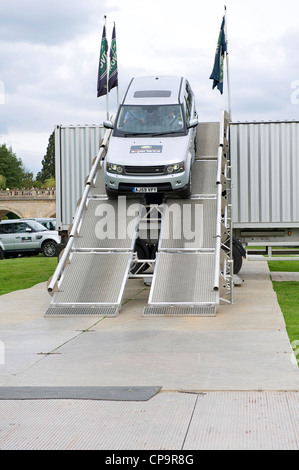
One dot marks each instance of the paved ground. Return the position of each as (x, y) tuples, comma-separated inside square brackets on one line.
[(226, 382)]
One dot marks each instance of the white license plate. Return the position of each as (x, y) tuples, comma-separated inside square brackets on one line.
[(145, 190)]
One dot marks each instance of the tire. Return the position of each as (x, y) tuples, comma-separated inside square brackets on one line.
[(1, 254), (238, 259), (111, 194), (143, 253), (187, 191), (49, 249)]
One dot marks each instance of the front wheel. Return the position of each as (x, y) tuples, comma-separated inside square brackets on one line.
[(49, 249), (111, 194), (142, 253), (187, 191)]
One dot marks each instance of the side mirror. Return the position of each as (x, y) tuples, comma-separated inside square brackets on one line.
[(193, 123), (108, 125)]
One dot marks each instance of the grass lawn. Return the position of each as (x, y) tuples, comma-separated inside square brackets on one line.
[(288, 297), (284, 266), (24, 272)]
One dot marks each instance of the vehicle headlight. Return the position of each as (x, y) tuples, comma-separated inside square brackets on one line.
[(175, 168), (114, 168)]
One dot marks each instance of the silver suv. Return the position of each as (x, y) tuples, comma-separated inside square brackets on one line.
[(153, 143), (26, 236)]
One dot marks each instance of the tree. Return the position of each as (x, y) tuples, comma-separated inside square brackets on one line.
[(50, 183), (48, 162), (2, 182), (28, 179), (11, 167)]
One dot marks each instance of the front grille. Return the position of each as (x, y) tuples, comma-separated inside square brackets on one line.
[(145, 170)]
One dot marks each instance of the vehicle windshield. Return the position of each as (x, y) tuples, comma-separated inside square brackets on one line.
[(152, 120), (36, 226)]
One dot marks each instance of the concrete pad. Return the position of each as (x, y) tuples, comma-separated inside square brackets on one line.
[(227, 382), (169, 421), (245, 347), (285, 277)]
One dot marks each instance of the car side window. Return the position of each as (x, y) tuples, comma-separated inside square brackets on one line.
[(21, 227), (187, 110), (6, 228)]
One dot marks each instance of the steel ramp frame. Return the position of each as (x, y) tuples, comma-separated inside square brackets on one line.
[(174, 292), (85, 287), (94, 279)]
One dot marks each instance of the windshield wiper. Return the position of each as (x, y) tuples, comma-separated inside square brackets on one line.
[(158, 134), (137, 134), (152, 134)]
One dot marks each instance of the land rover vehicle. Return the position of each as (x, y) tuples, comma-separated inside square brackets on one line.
[(26, 236), (153, 143), (49, 223)]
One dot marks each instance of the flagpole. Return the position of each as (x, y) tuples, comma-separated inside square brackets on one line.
[(227, 65), (117, 94), (113, 71), (107, 94)]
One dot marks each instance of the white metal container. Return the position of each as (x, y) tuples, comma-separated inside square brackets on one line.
[(75, 149), (265, 174)]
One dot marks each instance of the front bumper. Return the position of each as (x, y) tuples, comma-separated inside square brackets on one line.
[(123, 184)]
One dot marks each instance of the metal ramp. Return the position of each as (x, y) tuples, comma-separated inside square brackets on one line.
[(96, 271), (93, 270), (192, 271)]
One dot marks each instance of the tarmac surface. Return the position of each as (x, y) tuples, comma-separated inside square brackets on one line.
[(229, 382)]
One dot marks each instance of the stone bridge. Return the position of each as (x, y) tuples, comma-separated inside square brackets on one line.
[(28, 203)]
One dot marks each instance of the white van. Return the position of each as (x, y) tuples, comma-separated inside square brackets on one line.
[(153, 143)]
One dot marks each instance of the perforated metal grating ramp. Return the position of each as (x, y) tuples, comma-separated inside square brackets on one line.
[(172, 284), (91, 278), (204, 177), (204, 311), (208, 139), (188, 224), (108, 225), (105, 311)]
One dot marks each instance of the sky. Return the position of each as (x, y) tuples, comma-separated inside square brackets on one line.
[(49, 56)]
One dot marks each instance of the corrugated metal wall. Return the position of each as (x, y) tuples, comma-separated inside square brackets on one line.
[(75, 149), (265, 174)]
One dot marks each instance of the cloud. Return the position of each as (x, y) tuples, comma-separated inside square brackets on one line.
[(50, 50), (41, 22)]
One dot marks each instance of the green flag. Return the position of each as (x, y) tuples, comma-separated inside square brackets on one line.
[(102, 73), (113, 74), (217, 73)]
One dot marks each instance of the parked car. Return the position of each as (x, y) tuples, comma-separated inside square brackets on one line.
[(153, 143), (26, 237), (47, 222)]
